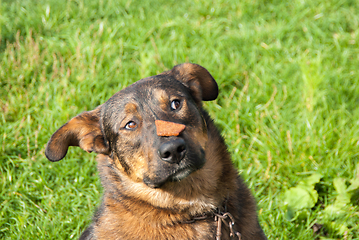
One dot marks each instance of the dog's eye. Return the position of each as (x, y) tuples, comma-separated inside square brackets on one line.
[(175, 104), (131, 125)]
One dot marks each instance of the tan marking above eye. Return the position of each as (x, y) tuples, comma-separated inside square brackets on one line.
[(161, 97), (130, 108)]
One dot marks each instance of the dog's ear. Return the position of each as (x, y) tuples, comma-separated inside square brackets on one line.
[(83, 130), (197, 79)]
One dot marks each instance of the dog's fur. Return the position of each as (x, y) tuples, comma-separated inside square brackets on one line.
[(149, 194)]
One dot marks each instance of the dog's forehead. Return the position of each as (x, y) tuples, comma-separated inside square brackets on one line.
[(149, 88), (147, 91), (153, 84)]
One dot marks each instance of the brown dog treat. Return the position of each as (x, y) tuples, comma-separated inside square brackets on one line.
[(168, 129)]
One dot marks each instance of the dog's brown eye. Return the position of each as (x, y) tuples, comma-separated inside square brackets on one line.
[(131, 125), (175, 104)]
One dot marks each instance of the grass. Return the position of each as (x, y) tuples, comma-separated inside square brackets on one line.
[(288, 105)]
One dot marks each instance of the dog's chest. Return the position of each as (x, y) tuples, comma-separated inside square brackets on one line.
[(126, 227)]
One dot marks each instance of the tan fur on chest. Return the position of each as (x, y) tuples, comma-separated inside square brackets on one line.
[(153, 224)]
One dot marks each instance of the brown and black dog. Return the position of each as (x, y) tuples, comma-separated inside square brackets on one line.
[(164, 166)]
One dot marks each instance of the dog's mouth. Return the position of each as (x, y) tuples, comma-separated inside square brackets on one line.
[(176, 176), (181, 174)]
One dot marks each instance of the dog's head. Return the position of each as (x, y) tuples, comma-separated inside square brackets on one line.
[(153, 129)]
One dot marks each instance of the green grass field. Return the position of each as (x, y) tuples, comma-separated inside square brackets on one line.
[(288, 74)]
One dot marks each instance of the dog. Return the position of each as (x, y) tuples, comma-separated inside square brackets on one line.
[(163, 163)]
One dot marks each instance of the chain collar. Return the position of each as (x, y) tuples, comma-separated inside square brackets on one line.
[(228, 220), (220, 217)]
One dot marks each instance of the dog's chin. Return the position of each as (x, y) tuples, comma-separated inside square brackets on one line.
[(177, 176)]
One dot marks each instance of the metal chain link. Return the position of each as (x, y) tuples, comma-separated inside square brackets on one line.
[(219, 217), (228, 219)]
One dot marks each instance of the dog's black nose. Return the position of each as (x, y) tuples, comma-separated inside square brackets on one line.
[(173, 151)]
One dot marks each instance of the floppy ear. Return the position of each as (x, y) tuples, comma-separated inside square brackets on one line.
[(83, 130), (201, 83)]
